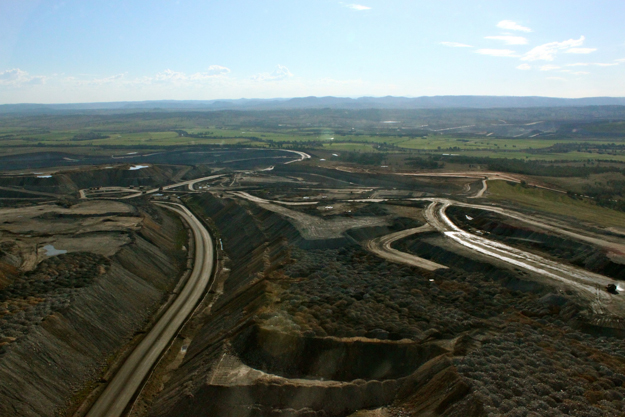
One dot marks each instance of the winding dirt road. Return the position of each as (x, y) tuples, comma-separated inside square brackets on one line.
[(130, 377), (381, 246)]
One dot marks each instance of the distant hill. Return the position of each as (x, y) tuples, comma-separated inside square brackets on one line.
[(389, 102)]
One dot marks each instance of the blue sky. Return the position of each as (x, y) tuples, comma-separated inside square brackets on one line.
[(87, 51)]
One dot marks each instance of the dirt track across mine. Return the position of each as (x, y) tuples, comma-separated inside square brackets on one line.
[(586, 283), (381, 246)]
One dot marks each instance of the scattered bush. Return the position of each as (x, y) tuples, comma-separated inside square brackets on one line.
[(48, 289), (530, 361)]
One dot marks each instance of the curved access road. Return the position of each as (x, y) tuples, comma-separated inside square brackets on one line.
[(481, 191), (188, 184), (255, 199), (485, 175), (130, 377), (302, 155), (134, 193), (586, 283), (381, 247)]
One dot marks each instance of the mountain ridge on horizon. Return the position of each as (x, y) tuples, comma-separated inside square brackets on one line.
[(315, 102)]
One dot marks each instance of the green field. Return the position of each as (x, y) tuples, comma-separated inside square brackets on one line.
[(310, 130), (503, 148), (555, 203)]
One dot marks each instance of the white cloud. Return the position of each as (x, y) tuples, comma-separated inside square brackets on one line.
[(575, 72), (620, 60), (557, 78), (17, 77), (498, 52), (217, 70), (524, 67), (580, 50), (12, 75), (456, 45), (547, 51), (358, 7), (510, 25), (113, 79), (213, 72), (280, 73), (509, 40), (170, 76), (549, 67)]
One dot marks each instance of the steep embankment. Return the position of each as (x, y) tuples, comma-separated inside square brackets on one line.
[(50, 363), (153, 175), (54, 184), (71, 181), (256, 243)]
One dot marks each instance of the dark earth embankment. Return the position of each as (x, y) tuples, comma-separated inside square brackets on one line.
[(537, 355), (343, 179), (77, 311), (264, 351), (70, 182), (235, 158)]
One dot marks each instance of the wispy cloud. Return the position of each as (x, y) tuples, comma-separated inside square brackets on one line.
[(575, 72), (170, 76), (549, 67), (509, 39), (546, 52), (596, 64), (620, 60), (106, 80), (524, 67), (510, 25), (358, 7), (557, 78), (456, 45), (580, 50), (498, 52), (280, 73)]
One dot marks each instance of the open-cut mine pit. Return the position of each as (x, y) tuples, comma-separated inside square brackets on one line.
[(325, 292)]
